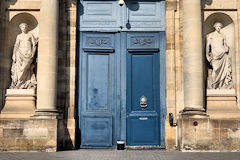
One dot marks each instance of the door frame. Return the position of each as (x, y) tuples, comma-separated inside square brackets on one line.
[(121, 132)]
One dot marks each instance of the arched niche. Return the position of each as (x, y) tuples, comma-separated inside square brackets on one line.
[(12, 31), (228, 31), (222, 100)]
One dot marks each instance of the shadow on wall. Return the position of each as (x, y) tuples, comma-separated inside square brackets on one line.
[(132, 6), (65, 130), (206, 3)]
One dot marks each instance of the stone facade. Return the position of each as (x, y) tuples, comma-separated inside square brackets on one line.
[(206, 119)]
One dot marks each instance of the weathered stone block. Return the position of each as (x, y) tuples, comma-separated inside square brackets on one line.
[(12, 133), (50, 123), (6, 143), (215, 123), (215, 133), (234, 133), (11, 123), (171, 144), (1, 132), (35, 124), (24, 144), (52, 134), (203, 134), (39, 143), (229, 124), (235, 145), (51, 143), (28, 135), (203, 144), (225, 144), (185, 123), (35, 133), (223, 133), (215, 144)]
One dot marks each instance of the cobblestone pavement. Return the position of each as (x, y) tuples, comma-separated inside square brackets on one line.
[(120, 155)]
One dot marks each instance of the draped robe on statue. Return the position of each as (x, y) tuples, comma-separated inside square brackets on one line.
[(22, 67), (220, 62)]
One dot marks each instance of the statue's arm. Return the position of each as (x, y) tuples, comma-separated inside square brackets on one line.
[(16, 45), (33, 40), (225, 44), (34, 43), (208, 52)]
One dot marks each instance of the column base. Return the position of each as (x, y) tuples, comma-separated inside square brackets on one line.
[(193, 111), (46, 114)]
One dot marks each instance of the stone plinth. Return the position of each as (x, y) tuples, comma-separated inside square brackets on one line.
[(201, 133), (19, 103), (30, 134), (222, 104)]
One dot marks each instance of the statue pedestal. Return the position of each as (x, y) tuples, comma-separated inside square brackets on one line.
[(19, 103), (222, 103)]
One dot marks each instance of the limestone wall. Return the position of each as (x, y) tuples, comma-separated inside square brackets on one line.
[(206, 134), (212, 129), (174, 72), (29, 135), (9, 21), (218, 130), (67, 63)]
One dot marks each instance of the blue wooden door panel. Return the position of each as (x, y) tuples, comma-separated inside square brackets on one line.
[(98, 66), (143, 132), (133, 15), (97, 131), (145, 14), (143, 80), (97, 15), (99, 71)]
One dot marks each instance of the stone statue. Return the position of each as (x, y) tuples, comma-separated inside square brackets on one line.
[(24, 50), (217, 53)]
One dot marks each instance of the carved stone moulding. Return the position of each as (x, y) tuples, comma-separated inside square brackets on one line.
[(222, 103), (19, 103)]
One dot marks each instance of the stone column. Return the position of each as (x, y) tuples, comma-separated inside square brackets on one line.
[(192, 56), (47, 57)]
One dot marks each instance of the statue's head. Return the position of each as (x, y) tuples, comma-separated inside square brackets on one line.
[(218, 26), (24, 27)]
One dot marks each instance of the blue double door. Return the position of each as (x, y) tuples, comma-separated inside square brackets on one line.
[(121, 73), (120, 89)]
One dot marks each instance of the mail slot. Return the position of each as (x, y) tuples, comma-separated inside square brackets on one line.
[(143, 118)]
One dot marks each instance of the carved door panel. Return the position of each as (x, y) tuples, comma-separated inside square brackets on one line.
[(99, 74), (143, 89)]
